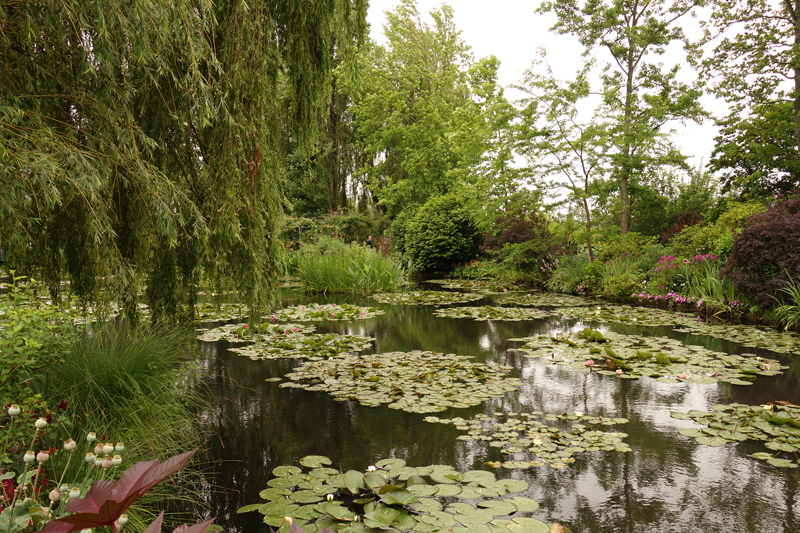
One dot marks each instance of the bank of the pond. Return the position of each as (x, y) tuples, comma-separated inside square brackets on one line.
[(667, 482)]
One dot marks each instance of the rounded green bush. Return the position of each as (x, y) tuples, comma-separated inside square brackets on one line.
[(442, 234)]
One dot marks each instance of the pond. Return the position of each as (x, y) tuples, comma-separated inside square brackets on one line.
[(666, 482)]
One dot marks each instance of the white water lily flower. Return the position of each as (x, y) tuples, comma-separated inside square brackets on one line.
[(372, 468), (766, 406), (578, 413)]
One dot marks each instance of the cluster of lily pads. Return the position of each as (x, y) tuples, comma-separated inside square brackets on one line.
[(426, 297), (776, 424), (543, 299), (553, 445), (746, 335), (273, 341), (631, 356), (475, 285), (392, 495), (416, 382), (487, 312), (310, 313)]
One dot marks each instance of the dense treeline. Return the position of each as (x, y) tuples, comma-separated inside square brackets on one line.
[(144, 147)]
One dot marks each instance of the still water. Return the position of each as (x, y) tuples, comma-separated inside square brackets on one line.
[(667, 483)]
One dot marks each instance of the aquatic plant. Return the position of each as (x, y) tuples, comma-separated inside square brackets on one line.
[(416, 382), (777, 424), (355, 269), (274, 341), (667, 360), (570, 274), (426, 297), (393, 495), (488, 312), (520, 434), (543, 299), (334, 312)]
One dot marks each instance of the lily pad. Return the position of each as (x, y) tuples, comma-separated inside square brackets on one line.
[(426, 297), (507, 314), (315, 312), (550, 444), (544, 299), (417, 382), (632, 356), (775, 424)]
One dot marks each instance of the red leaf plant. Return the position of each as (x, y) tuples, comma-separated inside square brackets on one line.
[(155, 526), (107, 500)]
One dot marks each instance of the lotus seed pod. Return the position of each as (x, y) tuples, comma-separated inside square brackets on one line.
[(14, 410), (29, 456), (89, 458), (120, 447), (74, 492), (108, 448), (116, 460), (40, 423), (91, 437)]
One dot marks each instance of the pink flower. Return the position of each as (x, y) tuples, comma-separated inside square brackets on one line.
[(589, 362), (619, 371), (294, 329), (682, 376), (272, 318), (766, 366), (333, 314)]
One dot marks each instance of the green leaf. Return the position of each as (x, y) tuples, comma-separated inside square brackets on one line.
[(314, 461), (401, 497), (354, 481)]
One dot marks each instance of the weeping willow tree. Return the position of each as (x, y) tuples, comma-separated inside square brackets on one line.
[(142, 142)]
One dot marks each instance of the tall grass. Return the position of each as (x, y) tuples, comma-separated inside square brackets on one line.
[(570, 273), (789, 313), (354, 269), (717, 295), (130, 386)]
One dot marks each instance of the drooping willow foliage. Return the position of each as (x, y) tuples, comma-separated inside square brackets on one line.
[(142, 142)]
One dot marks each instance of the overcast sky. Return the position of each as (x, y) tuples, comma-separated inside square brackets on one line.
[(510, 30)]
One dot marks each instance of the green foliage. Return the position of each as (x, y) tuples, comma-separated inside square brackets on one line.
[(399, 228), (100, 170), (752, 63), (126, 383), (757, 157), (343, 268), (789, 312), (33, 336), (442, 234), (570, 274), (631, 245), (640, 96), (716, 237)]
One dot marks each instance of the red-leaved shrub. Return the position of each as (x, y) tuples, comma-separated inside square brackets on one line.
[(766, 249)]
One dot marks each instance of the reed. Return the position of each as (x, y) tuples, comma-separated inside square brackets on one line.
[(354, 269)]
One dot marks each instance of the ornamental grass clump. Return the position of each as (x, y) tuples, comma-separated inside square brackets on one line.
[(132, 379), (350, 269)]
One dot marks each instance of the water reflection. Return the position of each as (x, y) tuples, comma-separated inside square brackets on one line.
[(667, 483)]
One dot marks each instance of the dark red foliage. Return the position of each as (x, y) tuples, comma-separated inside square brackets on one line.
[(766, 249), (678, 223), (520, 225), (107, 500)]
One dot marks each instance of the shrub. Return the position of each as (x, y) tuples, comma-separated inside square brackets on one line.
[(399, 228), (716, 238), (570, 275), (442, 234), (631, 245), (766, 253), (520, 240), (678, 223)]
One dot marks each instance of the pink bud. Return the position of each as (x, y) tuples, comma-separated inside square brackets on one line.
[(589, 362), (682, 376)]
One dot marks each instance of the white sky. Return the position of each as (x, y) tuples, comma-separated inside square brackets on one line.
[(510, 30)]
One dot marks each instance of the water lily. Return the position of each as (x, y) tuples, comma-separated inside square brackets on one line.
[(372, 468), (590, 362), (619, 371), (682, 376)]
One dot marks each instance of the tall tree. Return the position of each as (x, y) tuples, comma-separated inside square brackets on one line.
[(642, 93), (756, 58), (557, 143), (412, 88), (137, 137), (757, 156)]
